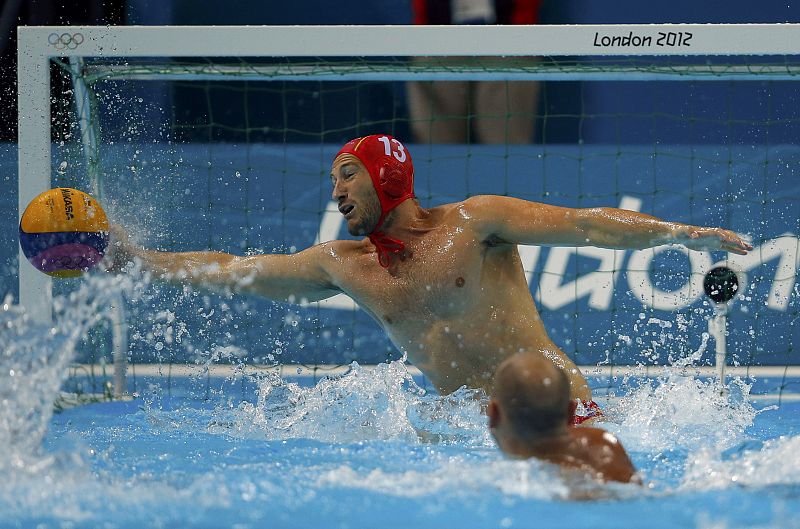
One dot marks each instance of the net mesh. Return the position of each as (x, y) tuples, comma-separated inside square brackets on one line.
[(234, 156)]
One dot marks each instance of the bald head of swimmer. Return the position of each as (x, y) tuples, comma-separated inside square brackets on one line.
[(530, 403)]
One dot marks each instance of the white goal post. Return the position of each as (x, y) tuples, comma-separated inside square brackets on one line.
[(37, 46)]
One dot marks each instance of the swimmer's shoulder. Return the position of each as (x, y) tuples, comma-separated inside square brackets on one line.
[(606, 453), (598, 436), (482, 214), (478, 209), (466, 211), (468, 208)]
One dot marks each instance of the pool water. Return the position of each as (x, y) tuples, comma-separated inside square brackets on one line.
[(370, 449), (367, 448)]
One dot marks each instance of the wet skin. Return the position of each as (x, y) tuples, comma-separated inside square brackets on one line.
[(456, 301), (458, 304)]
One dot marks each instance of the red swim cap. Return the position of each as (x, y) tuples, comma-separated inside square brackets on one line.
[(389, 165), (392, 172)]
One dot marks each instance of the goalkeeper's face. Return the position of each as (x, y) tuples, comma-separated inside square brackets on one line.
[(355, 195)]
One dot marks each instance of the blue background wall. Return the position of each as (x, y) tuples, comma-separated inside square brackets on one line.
[(271, 198)]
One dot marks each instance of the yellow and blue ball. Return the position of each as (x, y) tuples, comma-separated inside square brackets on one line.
[(63, 232)]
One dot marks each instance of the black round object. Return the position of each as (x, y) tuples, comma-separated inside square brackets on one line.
[(721, 284)]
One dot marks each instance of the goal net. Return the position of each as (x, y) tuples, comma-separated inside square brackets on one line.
[(221, 138)]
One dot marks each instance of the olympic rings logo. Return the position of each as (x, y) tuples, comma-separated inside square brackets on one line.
[(65, 41)]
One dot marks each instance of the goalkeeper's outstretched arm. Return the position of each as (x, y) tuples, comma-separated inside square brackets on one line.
[(295, 278)]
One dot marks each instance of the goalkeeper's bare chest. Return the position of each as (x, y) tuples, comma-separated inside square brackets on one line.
[(437, 275)]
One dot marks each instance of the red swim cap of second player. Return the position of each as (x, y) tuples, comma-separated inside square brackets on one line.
[(390, 167)]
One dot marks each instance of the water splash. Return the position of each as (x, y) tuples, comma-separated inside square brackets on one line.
[(680, 411), (774, 462), (31, 367), (677, 410), (382, 403), (457, 477), (34, 359)]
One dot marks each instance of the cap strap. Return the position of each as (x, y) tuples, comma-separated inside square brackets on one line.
[(385, 246)]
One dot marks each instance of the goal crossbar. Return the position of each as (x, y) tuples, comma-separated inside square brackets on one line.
[(376, 41), (390, 72)]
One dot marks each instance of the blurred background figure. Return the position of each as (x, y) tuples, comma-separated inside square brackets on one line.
[(493, 112)]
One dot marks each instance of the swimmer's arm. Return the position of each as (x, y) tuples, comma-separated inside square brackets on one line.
[(296, 278), (521, 222)]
